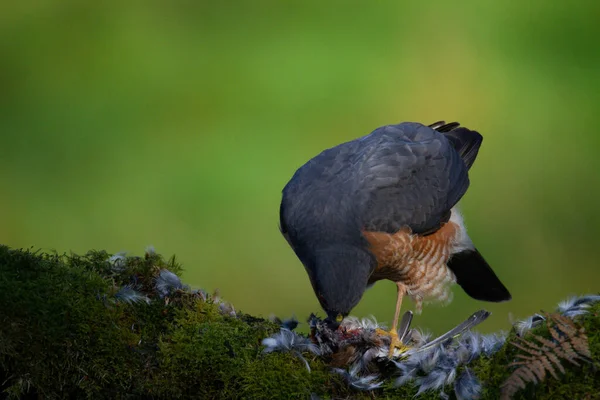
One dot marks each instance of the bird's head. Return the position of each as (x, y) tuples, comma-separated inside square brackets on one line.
[(339, 275), (334, 319)]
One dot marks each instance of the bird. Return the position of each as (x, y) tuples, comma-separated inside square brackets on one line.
[(385, 206)]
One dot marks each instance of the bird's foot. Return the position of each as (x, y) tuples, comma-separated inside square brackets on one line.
[(395, 342)]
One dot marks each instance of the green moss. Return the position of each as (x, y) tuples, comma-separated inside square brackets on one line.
[(275, 376), (62, 333), (55, 333)]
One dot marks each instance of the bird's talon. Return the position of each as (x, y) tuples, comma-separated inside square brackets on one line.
[(381, 332), (402, 348), (395, 342)]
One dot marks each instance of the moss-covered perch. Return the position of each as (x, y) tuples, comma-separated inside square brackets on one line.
[(98, 326)]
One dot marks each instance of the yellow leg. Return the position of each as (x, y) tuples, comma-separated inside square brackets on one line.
[(401, 292), (395, 342)]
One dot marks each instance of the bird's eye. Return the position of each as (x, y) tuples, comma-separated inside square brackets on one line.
[(339, 318)]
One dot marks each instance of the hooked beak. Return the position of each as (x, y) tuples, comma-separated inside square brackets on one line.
[(334, 323)]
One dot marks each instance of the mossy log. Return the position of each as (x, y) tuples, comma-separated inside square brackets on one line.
[(97, 326)]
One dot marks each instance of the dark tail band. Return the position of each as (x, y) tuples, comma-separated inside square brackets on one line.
[(477, 278), (465, 141)]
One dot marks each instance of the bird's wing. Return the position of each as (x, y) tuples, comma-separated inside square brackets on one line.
[(412, 177)]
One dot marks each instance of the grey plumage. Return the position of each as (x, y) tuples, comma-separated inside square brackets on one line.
[(399, 175), (411, 176), (348, 187)]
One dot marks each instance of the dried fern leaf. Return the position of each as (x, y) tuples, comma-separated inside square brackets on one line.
[(539, 369), (556, 362), (582, 346), (527, 346), (541, 355)]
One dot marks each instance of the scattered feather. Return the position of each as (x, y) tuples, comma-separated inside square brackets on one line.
[(352, 323), (469, 346), (405, 378), (369, 356), (289, 324), (227, 309), (435, 380), (200, 293), (524, 326), (118, 261), (418, 338), (433, 365), (286, 340), (167, 282), (216, 296), (127, 294), (491, 343), (357, 349), (467, 386), (367, 382), (428, 360), (575, 306)]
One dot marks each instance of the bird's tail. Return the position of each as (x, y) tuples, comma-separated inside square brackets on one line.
[(465, 141), (476, 277)]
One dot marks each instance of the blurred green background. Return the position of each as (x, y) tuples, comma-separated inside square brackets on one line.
[(177, 124)]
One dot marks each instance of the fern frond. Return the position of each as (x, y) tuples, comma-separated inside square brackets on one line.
[(541, 355)]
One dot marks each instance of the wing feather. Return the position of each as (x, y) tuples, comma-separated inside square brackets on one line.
[(413, 178)]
